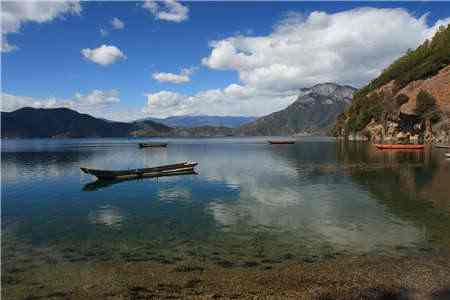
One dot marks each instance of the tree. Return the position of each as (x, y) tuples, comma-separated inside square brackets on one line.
[(426, 106)]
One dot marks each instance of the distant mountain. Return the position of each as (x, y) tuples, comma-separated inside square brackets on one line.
[(314, 112), (200, 121), (66, 123)]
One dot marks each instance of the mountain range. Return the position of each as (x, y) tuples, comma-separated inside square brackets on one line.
[(30, 122), (203, 120), (314, 111)]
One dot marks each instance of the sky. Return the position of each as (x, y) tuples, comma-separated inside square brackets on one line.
[(129, 60)]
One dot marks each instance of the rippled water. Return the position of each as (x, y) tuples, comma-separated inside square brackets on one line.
[(249, 202)]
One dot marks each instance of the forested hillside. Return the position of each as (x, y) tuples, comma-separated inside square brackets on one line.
[(399, 85)]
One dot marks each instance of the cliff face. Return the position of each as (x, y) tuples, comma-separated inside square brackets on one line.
[(408, 102), (438, 86)]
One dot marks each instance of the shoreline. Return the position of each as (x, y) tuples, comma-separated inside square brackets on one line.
[(349, 277)]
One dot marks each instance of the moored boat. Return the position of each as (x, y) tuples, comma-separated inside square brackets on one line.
[(400, 146), (144, 172), (152, 145), (103, 183), (286, 142)]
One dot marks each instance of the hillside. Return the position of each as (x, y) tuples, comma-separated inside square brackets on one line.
[(410, 98), (66, 123), (314, 112), (203, 120)]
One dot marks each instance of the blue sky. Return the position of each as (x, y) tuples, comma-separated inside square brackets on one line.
[(264, 53)]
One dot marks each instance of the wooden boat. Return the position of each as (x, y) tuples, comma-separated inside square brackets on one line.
[(104, 183), (447, 155), (152, 145), (400, 146), (281, 142), (136, 173), (442, 146)]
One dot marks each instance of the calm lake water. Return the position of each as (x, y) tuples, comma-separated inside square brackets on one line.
[(250, 202)]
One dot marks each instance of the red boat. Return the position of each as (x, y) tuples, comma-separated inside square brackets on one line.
[(400, 146), (281, 142)]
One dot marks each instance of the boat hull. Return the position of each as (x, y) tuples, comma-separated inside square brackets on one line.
[(152, 145), (103, 183), (400, 146), (136, 173), (281, 142)]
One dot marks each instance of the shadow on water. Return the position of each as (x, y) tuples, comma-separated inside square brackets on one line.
[(100, 183)]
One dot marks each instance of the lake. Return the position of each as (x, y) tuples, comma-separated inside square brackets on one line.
[(253, 208)]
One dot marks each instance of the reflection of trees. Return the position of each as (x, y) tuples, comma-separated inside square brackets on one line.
[(410, 184)]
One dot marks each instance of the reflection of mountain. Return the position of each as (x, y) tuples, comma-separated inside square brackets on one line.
[(410, 184), (285, 190), (313, 193)]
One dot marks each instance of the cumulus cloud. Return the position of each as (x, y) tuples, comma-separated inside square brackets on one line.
[(103, 55), (15, 13), (350, 47), (174, 78), (232, 100), (167, 10), (117, 23), (88, 103)]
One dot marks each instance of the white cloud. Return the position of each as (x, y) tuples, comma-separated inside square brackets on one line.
[(174, 78), (103, 55), (349, 47), (232, 100), (15, 13), (91, 103), (117, 23), (167, 10)]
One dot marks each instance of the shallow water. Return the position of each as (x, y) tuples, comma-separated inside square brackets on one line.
[(250, 204)]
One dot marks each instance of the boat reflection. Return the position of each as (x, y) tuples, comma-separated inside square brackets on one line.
[(100, 183)]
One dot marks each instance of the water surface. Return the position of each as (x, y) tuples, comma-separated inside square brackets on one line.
[(250, 204)]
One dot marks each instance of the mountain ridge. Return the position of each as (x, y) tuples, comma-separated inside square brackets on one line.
[(190, 121), (314, 112)]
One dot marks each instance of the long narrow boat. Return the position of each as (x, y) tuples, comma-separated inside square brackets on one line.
[(103, 183), (441, 146), (152, 145), (400, 146), (135, 173), (281, 142)]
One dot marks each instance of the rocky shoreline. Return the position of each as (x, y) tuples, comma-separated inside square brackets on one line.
[(348, 277)]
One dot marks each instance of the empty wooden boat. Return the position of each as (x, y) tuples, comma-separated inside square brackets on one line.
[(442, 146), (282, 142), (136, 173), (152, 145), (103, 183), (400, 146)]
